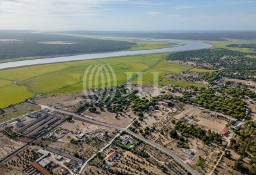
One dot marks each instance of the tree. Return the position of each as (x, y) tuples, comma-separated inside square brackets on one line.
[(92, 109), (69, 118), (173, 134), (237, 165)]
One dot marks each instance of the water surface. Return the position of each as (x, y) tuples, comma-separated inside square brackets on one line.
[(181, 45)]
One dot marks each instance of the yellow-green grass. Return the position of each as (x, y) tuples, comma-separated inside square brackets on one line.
[(68, 77), (150, 45), (139, 45), (224, 44), (201, 70), (13, 94), (5, 83)]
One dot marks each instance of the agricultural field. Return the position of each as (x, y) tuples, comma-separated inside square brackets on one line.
[(4, 83), (69, 77)]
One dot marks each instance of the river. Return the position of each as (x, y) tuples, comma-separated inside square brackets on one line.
[(181, 45)]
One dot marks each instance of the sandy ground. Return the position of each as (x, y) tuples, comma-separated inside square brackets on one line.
[(225, 166), (78, 127), (212, 125), (70, 102), (203, 119), (253, 108), (247, 82), (10, 171), (188, 110), (7, 145), (108, 117)]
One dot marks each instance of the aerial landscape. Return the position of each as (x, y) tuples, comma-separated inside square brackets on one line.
[(127, 87)]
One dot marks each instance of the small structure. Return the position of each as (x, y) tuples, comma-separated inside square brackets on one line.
[(44, 162), (80, 136), (21, 119), (224, 131), (59, 158), (40, 168), (20, 124), (32, 115), (101, 136), (190, 153), (238, 124)]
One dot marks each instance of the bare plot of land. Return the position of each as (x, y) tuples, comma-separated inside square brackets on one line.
[(112, 118), (211, 124), (7, 146), (17, 111), (247, 82), (225, 166), (253, 108), (70, 102), (94, 138), (188, 110)]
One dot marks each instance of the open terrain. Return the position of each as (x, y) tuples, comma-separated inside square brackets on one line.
[(25, 82)]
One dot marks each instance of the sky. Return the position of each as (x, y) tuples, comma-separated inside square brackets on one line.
[(128, 15)]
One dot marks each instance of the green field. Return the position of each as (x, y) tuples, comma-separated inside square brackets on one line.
[(224, 44), (139, 45), (68, 77), (4, 83), (151, 45)]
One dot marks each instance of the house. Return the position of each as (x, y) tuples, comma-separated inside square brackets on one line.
[(128, 140), (223, 132), (238, 124), (111, 158), (101, 136)]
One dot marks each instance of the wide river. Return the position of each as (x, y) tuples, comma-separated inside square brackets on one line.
[(181, 45)]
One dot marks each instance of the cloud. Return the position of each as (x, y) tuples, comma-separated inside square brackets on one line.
[(237, 2), (214, 22), (153, 14), (190, 6)]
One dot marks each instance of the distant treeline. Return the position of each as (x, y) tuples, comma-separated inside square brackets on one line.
[(251, 45), (24, 44), (217, 59), (189, 35)]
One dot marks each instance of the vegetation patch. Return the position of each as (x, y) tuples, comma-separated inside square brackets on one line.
[(69, 77)]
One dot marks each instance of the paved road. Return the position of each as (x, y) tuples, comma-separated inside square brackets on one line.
[(101, 150), (86, 119), (166, 151), (161, 148)]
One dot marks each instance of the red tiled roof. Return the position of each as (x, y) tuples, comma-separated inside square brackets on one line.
[(40, 168), (223, 131), (111, 156)]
